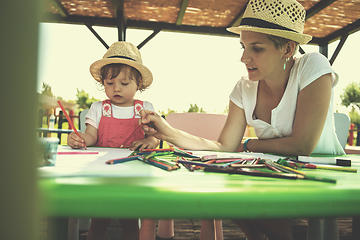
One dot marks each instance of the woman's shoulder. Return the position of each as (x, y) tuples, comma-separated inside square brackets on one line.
[(312, 57)]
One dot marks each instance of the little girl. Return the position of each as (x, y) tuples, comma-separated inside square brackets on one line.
[(110, 122)]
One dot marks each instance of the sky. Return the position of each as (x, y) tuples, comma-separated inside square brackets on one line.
[(187, 68)]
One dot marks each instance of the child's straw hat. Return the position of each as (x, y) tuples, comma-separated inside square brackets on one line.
[(126, 53), (282, 18)]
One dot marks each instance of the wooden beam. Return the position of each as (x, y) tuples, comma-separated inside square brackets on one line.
[(120, 18), (318, 7), (59, 8), (97, 35), (184, 4), (338, 48), (148, 38), (111, 22), (349, 29), (217, 31)]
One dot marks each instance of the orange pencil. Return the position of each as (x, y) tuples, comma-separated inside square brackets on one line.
[(69, 120)]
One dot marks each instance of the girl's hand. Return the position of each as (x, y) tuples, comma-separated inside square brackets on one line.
[(147, 143), (155, 125), (74, 141)]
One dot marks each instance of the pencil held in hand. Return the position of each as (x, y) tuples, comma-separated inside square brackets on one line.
[(69, 120), (131, 135)]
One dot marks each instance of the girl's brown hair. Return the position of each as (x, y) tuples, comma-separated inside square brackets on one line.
[(113, 70)]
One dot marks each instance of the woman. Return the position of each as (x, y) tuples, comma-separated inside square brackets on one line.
[(286, 100)]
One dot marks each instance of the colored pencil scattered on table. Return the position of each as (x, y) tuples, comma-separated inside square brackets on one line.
[(173, 157), (122, 160), (313, 166), (69, 121)]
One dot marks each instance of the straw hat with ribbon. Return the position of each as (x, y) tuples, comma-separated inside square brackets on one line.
[(282, 18), (125, 53)]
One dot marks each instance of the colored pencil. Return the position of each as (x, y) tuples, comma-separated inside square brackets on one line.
[(300, 173), (132, 134), (252, 173), (313, 166), (227, 160), (158, 150), (286, 169), (122, 160), (272, 167), (161, 165), (180, 152), (247, 165), (200, 164), (269, 174), (236, 161), (69, 120), (164, 161)]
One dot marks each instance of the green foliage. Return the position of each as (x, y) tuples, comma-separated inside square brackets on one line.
[(165, 114), (351, 95), (354, 116), (195, 108), (46, 90), (226, 110), (83, 100)]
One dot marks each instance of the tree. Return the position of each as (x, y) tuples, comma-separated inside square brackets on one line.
[(351, 95), (354, 116), (162, 113), (46, 90), (195, 108), (83, 100)]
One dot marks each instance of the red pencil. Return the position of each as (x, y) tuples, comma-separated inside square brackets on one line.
[(69, 120), (131, 135)]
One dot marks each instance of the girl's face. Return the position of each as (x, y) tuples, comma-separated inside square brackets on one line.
[(260, 56), (121, 89)]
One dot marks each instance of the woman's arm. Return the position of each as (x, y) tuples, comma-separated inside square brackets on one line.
[(232, 134), (310, 116), (229, 140)]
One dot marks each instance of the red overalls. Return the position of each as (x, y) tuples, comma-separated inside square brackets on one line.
[(112, 132)]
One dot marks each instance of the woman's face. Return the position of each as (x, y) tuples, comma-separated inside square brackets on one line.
[(262, 59)]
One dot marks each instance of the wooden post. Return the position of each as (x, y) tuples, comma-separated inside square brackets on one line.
[(60, 122), (20, 201), (71, 114), (351, 134)]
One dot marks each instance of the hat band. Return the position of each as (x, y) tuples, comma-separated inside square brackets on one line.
[(254, 22), (123, 57)]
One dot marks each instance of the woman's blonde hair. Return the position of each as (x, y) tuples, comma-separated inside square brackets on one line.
[(280, 42)]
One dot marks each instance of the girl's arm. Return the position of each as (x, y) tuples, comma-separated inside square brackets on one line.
[(229, 140), (311, 112), (89, 137)]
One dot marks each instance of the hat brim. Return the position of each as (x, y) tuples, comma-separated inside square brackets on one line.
[(146, 74), (297, 37)]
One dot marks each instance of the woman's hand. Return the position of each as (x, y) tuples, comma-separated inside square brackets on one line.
[(74, 141), (155, 125)]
